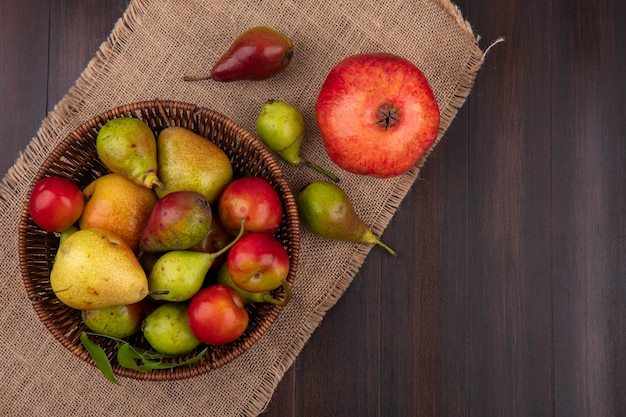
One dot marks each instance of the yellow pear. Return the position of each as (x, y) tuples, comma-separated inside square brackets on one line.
[(94, 269), (115, 203), (190, 162)]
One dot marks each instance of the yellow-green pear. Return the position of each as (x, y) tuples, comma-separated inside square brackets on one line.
[(95, 268), (118, 321), (190, 162), (280, 126), (127, 146), (167, 330)]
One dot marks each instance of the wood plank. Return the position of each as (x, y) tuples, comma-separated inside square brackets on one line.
[(588, 207), (78, 28), (509, 333), (23, 75)]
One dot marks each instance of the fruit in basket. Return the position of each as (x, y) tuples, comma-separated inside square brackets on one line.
[(115, 203), (67, 233), (377, 114), (257, 54), (326, 210), (280, 127), (190, 162), (253, 199), (258, 262), (167, 330), (178, 221), (216, 238), (55, 204), (127, 147), (223, 277), (217, 315), (118, 321), (95, 268), (179, 274), (148, 260)]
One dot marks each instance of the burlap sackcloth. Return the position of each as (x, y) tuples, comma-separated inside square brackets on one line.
[(152, 46)]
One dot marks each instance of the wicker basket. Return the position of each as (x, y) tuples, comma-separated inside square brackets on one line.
[(75, 158)]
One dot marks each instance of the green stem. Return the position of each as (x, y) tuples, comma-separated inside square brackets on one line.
[(321, 170), (225, 249), (269, 298), (370, 237)]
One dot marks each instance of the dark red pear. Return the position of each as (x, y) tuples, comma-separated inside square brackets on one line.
[(257, 54)]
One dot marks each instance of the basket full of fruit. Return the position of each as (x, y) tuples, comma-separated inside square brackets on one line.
[(160, 241)]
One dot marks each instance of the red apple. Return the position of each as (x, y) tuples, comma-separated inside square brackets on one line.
[(377, 114), (258, 262), (254, 199), (217, 315)]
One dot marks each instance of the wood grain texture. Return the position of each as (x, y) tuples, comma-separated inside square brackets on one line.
[(508, 297)]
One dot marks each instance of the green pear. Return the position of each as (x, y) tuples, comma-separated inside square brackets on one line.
[(178, 221), (326, 211), (190, 162), (95, 268), (127, 147), (118, 321), (280, 126), (167, 330), (179, 274)]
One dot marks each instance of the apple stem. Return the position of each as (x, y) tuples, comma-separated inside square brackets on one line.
[(189, 78), (320, 170)]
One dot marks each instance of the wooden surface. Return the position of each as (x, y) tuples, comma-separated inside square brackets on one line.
[(512, 300)]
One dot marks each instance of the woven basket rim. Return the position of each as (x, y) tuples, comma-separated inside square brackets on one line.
[(160, 114)]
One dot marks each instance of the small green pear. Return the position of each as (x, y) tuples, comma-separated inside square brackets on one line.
[(167, 330), (280, 127), (127, 147), (190, 162), (118, 321), (95, 268), (179, 274), (326, 210)]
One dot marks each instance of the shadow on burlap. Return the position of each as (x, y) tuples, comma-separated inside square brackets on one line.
[(151, 47)]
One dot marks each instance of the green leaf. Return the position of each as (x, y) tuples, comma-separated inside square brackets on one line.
[(131, 357), (126, 357), (99, 356), (163, 365)]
